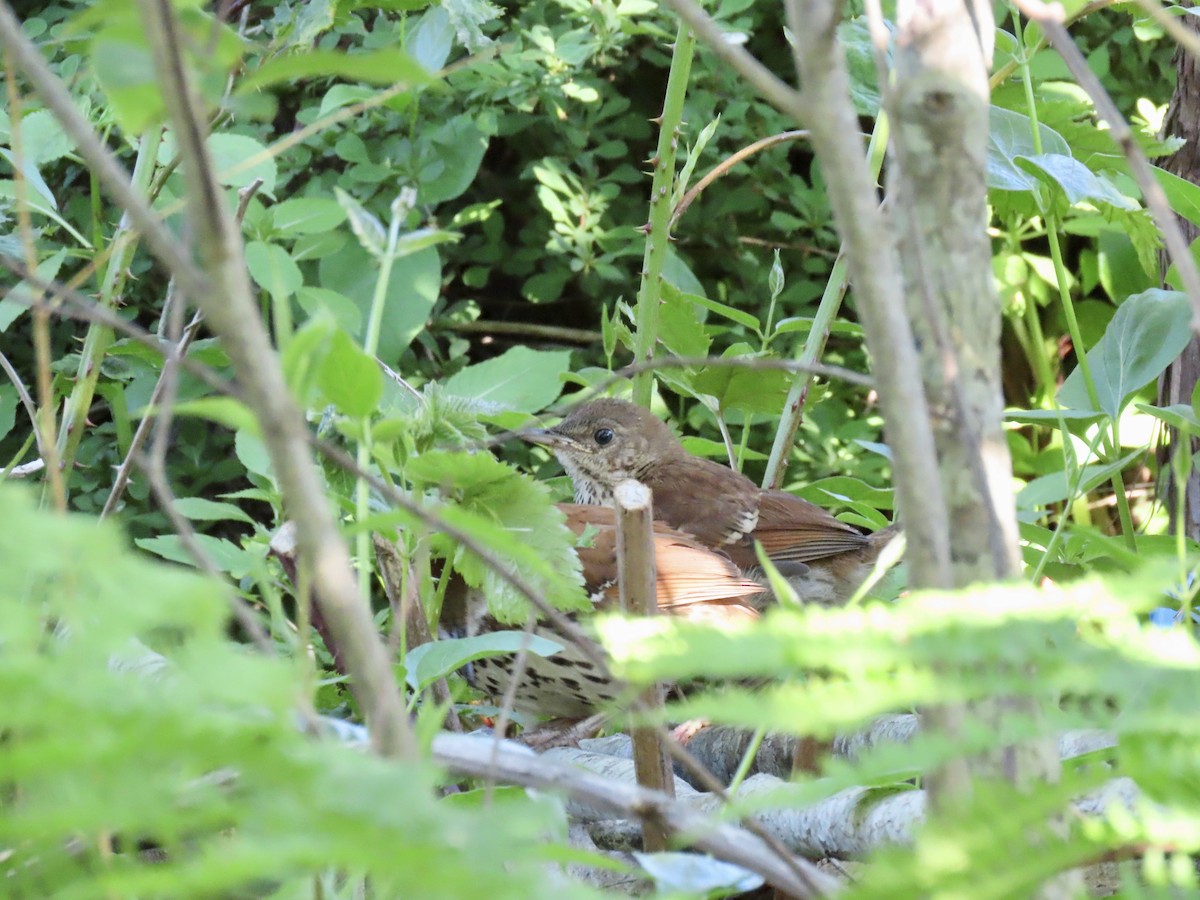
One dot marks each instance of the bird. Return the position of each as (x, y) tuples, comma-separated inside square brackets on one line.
[(605, 441), (691, 582)]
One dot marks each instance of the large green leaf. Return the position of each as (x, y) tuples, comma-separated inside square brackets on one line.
[(1010, 137), (411, 292), (386, 66), (1149, 330), (437, 659), (519, 379)]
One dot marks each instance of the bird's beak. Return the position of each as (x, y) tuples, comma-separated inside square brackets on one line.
[(545, 437)]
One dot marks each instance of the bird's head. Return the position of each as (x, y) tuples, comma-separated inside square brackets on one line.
[(604, 442)]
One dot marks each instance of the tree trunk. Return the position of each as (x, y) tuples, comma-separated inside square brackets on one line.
[(1178, 382)]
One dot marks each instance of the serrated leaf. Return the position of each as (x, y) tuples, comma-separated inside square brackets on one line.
[(512, 515), (437, 659)]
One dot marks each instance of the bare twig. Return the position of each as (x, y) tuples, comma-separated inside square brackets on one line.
[(636, 574), (728, 163), (524, 330)]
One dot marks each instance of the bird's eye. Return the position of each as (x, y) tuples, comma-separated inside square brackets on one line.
[(603, 436)]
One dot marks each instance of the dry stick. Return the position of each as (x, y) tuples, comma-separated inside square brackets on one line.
[(728, 163), (472, 757), (230, 308), (638, 589), (400, 585), (169, 373), (1050, 19)]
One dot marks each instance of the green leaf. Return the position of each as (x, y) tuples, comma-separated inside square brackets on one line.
[(385, 67), (520, 379), (1076, 180), (421, 239), (316, 301), (306, 215), (349, 378), (226, 555), (125, 70), (273, 269), (437, 659), (200, 509), (430, 42), (411, 292), (725, 311), (302, 356), (1183, 195), (1010, 137), (227, 411), (1056, 486), (1147, 332), (240, 160), (16, 301), (679, 328), (459, 146)]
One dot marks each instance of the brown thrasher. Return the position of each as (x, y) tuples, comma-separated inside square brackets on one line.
[(603, 442), (692, 582)]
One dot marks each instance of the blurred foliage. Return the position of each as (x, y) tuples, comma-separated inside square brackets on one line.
[(456, 190)]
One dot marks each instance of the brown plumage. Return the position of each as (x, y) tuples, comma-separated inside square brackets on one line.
[(692, 581), (606, 441)]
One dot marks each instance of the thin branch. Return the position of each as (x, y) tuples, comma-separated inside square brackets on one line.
[(231, 310), (530, 330), (26, 400), (728, 163)]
